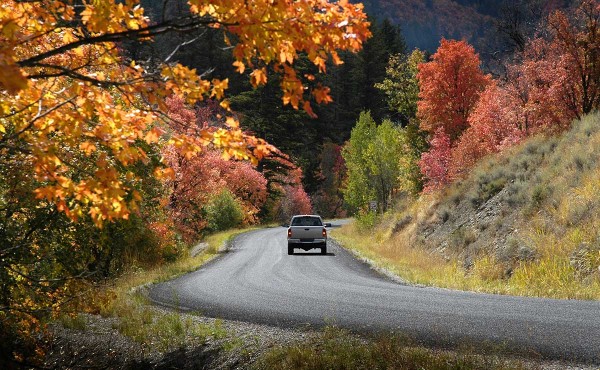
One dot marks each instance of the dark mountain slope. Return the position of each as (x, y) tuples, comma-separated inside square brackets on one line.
[(425, 22)]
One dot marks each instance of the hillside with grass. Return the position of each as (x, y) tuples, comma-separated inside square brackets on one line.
[(524, 222)]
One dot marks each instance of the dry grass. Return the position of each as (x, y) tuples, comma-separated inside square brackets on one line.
[(544, 239), (139, 321), (337, 349), (73, 321), (419, 266)]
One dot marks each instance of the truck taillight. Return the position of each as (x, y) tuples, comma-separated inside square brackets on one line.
[(289, 233), (324, 233)]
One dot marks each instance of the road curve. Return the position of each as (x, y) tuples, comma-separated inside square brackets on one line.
[(258, 282)]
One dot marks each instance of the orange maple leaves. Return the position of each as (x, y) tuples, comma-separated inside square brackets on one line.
[(83, 115), (281, 29)]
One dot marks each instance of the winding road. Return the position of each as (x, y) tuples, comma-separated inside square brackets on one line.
[(257, 281)]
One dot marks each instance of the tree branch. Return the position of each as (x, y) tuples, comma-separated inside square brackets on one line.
[(190, 23)]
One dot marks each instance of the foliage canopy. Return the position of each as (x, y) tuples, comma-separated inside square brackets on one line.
[(69, 94)]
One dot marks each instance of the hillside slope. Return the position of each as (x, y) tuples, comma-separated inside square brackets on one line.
[(425, 22), (526, 222)]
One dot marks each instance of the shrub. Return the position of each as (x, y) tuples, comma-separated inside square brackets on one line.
[(443, 214), (462, 237), (366, 220), (539, 193), (586, 258), (516, 251), (75, 321), (223, 211)]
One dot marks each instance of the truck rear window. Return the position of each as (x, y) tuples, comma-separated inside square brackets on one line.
[(306, 221)]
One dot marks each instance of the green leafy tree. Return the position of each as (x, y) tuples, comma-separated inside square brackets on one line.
[(357, 191), (401, 86), (372, 160), (383, 155), (413, 141)]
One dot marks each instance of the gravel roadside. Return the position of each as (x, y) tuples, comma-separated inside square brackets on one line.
[(101, 346)]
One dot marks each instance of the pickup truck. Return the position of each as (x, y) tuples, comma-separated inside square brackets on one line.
[(307, 232)]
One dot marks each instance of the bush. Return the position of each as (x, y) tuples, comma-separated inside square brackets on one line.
[(223, 211), (586, 258), (366, 220)]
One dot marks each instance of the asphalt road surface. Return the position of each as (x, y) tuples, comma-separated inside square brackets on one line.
[(257, 281)]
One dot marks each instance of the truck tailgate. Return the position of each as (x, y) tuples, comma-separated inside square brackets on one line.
[(307, 233)]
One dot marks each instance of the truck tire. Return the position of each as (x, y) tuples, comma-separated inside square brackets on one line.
[(324, 249), (290, 250)]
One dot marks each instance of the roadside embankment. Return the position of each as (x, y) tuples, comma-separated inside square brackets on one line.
[(522, 223)]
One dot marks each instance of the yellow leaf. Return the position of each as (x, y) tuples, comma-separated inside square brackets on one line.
[(87, 147), (258, 77), (164, 173), (11, 77), (219, 87), (153, 135), (68, 37), (116, 205), (232, 122), (9, 29), (240, 66), (79, 52)]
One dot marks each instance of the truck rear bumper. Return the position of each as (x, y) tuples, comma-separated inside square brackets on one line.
[(306, 244)]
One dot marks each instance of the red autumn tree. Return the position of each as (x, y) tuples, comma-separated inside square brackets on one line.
[(495, 119), (434, 163), (450, 86), (555, 80), (197, 178), (329, 201), (558, 78), (577, 41), (295, 201), (536, 84), (248, 185), (292, 198), (493, 126)]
